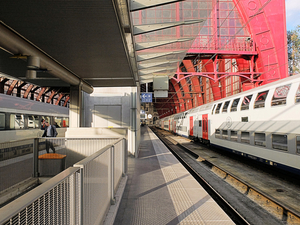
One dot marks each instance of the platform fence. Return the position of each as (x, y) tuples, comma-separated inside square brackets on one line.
[(81, 194)]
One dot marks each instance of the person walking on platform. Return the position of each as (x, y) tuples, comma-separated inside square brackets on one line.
[(43, 126), (50, 131)]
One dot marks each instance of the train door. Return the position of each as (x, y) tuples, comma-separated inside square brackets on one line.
[(191, 126), (205, 126), (174, 126)]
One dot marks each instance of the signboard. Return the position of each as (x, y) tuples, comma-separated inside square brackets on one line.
[(146, 97)]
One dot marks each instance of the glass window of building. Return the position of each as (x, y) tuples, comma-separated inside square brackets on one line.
[(260, 99), (280, 94)]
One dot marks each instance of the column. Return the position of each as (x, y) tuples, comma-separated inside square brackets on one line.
[(75, 107)]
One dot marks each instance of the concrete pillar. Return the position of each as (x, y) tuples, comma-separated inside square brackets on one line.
[(134, 131), (75, 107)]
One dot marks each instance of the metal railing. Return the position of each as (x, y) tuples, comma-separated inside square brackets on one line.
[(81, 194)]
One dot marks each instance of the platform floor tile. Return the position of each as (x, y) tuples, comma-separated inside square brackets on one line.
[(161, 191)]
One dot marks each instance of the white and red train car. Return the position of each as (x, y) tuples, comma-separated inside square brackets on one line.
[(262, 123)]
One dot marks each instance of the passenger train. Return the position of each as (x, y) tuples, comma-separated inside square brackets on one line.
[(262, 124), (20, 122)]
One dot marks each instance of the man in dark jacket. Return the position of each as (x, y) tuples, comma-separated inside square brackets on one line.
[(50, 131), (43, 126)]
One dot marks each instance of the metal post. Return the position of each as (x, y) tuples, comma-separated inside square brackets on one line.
[(75, 191), (36, 157), (112, 177), (81, 190), (124, 157)]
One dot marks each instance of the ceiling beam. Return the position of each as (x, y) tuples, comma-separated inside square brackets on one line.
[(146, 4), (147, 28), (146, 45)]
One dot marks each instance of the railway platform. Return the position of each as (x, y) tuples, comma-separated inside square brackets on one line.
[(160, 190)]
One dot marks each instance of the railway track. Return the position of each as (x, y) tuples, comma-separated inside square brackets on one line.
[(241, 200)]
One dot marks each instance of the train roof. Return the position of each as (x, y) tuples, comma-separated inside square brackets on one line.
[(18, 105), (285, 81)]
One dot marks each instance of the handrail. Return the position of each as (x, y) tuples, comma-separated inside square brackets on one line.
[(86, 160), (16, 206)]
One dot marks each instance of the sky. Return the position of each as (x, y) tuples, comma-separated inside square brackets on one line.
[(292, 13)]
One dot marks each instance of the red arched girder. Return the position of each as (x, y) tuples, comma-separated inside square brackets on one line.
[(66, 101), (40, 94), (179, 95), (188, 64), (210, 66), (173, 97), (266, 20), (222, 80), (51, 96), (167, 106), (11, 87), (28, 91), (187, 97), (2, 84), (59, 98)]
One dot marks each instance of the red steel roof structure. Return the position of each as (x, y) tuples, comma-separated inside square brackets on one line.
[(241, 45)]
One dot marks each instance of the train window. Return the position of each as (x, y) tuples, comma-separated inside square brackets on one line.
[(32, 122), (298, 95), (233, 135), (226, 104), (245, 137), (218, 108), (47, 118), (245, 119), (212, 111), (298, 143), (200, 123), (2, 121), (18, 121), (279, 142), (280, 94), (246, 102), (234, 105), (225, 134), (218, 133), (260, 99), (260, 139), (65, 122), (58, 121)]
